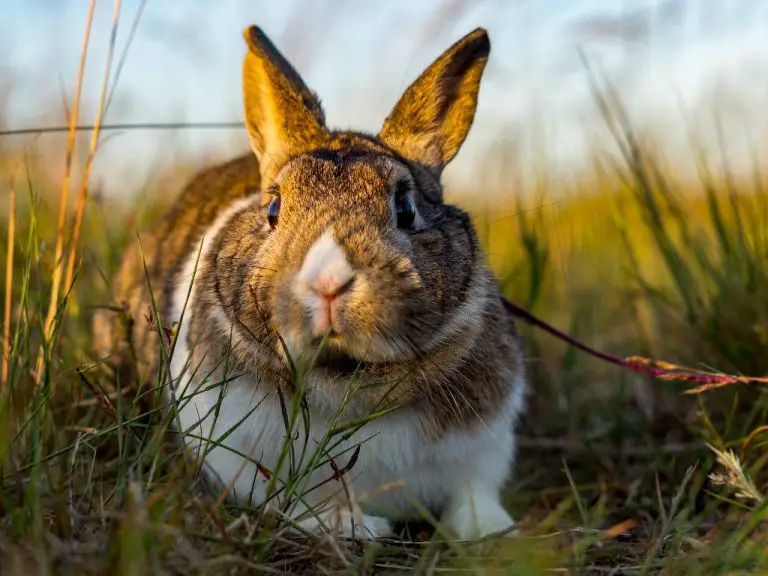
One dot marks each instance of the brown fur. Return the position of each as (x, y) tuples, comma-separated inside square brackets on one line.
[(412, 283), (164, 248)]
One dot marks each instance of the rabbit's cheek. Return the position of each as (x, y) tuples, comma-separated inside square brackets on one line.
[(287, 315)]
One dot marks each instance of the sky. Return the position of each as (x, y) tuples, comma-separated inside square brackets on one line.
[(668, 59)]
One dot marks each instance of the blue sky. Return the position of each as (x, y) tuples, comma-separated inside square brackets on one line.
[(184, 64)]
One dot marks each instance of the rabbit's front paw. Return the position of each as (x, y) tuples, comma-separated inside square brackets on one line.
[(477, 516), (370, 527), (341, 521)]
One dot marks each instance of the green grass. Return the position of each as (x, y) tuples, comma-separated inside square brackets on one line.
[(607, 478), (618, 473)]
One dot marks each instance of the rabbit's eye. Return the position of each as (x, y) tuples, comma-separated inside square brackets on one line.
[(273, 211), (405, 210)]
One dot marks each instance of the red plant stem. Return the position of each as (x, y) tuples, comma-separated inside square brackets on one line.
[(635, 363)]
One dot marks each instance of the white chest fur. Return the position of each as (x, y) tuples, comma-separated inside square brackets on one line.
[(395, 464)]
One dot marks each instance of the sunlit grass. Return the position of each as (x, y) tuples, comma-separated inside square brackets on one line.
[(87, 468), (616, 471)]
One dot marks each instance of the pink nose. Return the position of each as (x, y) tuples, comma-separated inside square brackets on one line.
[(330, 288)]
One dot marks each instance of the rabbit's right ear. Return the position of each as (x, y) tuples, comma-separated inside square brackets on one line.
[(283, 117)]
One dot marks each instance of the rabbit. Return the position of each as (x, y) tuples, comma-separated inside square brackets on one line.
[(333, 255)]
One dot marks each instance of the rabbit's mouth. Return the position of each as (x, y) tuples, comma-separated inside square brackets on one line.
[(338, 363)]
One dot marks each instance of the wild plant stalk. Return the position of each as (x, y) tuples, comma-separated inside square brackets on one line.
[(50, 324), (123, 57), (8, 285), (83, 196)]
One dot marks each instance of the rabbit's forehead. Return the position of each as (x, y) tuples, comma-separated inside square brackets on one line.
[(335, 171)]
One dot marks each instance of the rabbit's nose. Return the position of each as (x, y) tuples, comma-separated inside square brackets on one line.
[(324, 276), (330, 286), (326, 270)]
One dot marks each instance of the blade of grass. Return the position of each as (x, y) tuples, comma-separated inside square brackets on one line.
[(64, 195), (8, 286), (83, 196)]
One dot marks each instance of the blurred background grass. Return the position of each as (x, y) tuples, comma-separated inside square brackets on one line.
[(627, 252)]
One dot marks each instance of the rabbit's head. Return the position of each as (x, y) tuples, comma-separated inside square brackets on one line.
[(361, 251)]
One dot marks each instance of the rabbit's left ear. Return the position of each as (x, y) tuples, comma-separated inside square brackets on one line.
[(432, 118)]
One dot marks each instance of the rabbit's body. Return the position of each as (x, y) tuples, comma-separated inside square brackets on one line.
[(164, 249), (347, 268)]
